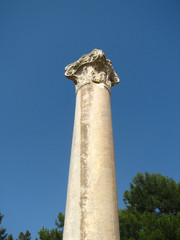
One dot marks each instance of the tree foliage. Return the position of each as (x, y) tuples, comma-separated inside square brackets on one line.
[(3, 233), (55, 233), (10, 237), (24, 236), (152, 209)]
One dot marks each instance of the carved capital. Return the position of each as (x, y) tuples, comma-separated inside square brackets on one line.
[(92, 67)]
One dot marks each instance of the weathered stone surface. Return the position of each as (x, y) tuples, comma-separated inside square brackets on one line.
[(92, 67), (91, 206)]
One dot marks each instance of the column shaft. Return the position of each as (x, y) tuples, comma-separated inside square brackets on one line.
[(91, 207)]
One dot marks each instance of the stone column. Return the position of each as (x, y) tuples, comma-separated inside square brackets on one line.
[(91, 207)]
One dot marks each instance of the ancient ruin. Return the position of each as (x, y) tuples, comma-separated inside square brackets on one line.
[(91, 206)]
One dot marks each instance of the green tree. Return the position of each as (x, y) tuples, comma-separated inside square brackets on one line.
[(10, 237), (26, 236), (152, 209), (3, 233), (55, 233)]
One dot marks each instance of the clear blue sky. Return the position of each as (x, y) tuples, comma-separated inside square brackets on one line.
[(37, 40)]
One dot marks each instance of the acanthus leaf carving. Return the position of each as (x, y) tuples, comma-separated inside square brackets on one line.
[(92, 67)]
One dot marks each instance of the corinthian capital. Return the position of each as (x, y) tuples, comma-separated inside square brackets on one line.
[(92, 67)]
